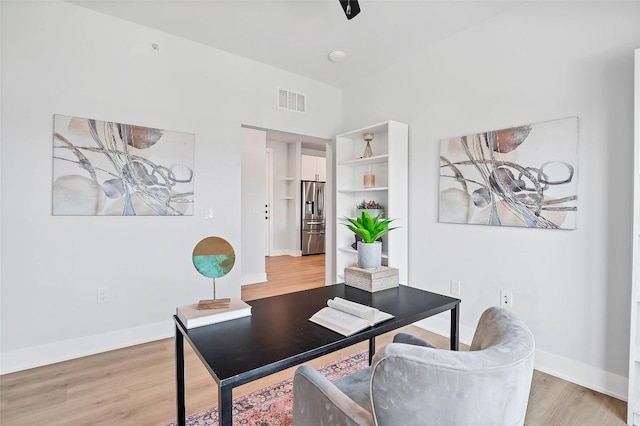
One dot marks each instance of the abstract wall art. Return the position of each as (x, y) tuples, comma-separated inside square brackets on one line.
[(521, 176), (102, 168)]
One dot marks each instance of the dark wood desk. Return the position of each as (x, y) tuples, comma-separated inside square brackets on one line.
[(279, 335)]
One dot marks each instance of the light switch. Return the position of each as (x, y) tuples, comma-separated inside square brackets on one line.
[(207, 213)]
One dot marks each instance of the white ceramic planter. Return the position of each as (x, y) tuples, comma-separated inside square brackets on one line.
[(369, 255)]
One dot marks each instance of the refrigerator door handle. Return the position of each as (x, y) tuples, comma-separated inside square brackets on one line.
[(320, 198)]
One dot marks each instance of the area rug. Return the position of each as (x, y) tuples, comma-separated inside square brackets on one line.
[(273, 405)]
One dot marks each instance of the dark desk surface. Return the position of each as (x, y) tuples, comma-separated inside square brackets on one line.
[(279, 334)]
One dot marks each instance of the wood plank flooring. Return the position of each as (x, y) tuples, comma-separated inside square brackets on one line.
[(286, 274), (135, 385)]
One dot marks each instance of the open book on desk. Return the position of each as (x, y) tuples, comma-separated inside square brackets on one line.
[(347, 318)]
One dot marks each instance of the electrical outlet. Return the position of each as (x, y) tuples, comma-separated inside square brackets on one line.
[(102, 295), (506, 299), (455, 287)]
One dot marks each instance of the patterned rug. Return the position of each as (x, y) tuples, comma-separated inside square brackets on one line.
[(273, 405)]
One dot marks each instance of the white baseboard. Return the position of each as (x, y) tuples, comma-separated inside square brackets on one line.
[(284, 252), (22, 359), (37, 356), (582, 374), (441, 325), (252, 279), (564, 368)]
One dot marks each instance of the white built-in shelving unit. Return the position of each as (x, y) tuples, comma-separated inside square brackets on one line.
[(633, 413), (389, 163), (290, 188)]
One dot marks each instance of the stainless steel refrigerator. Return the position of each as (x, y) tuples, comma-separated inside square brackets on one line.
[(313, 218)]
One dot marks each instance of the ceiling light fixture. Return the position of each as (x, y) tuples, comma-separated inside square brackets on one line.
[(351, 8), (337, 56)]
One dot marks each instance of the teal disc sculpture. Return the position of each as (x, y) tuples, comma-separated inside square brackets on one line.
[(214, 257)]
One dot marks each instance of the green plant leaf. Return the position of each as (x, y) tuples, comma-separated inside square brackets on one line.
[(366, 236), (380, 225), (382, 232), (369, 228), (354, 222), (367, 222)]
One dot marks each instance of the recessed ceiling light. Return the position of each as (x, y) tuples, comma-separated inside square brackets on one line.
[(337, 56)]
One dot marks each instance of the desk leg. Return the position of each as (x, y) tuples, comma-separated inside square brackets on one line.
[(372, 348), (225, 405), (180, 378), (455, 319)]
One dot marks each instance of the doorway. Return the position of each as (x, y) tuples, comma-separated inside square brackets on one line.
[(280, 197), (309, 272)]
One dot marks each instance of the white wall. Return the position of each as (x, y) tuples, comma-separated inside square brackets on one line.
[(535, 62), (253, 200), (281, 220), (61, 58)]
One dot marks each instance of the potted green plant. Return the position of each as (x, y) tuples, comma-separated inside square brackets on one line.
[(369, 229), (372, 207)]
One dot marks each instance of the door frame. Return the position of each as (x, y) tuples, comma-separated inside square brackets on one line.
[(269, 189)]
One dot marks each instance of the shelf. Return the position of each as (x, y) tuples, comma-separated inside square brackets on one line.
[(349, 249), (357, 134), (374, 189), (364, 161), (288, 178), (287, 198)]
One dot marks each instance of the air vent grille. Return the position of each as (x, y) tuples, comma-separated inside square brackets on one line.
[(291, 100)]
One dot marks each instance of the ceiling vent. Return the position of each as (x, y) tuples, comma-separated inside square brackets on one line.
[(291, 101)]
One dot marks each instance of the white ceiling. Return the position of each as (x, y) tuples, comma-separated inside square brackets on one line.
[(297, 35)]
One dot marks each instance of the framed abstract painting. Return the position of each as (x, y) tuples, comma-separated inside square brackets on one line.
[(521, 176), (103, 168)]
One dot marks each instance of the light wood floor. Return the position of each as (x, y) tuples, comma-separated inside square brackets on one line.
[(136, 386), (286, 274)]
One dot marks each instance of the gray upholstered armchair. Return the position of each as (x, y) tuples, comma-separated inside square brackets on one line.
[(413, 383)]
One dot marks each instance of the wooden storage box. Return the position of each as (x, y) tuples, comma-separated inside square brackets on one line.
[(371, 280)]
